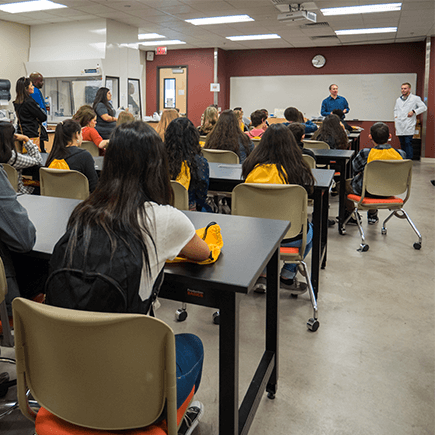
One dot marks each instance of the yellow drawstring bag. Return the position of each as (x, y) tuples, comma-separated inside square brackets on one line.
[(59, 164), (211, 234), (184, 176)]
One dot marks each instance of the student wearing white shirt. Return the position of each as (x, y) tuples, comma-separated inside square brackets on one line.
[(407, 107)]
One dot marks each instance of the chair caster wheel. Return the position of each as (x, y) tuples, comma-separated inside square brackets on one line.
[(363, 248), (342, 231), (384, 231), (270, 396), (216, 317), (313, 324), (294, 296), (180, 315), (417, 246)]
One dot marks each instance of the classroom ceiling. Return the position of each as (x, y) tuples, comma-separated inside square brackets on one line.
[(166, 17)]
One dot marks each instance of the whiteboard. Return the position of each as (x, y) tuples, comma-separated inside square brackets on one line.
[(371, 97)]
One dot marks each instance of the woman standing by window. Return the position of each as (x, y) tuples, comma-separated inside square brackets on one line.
[(102, 106)]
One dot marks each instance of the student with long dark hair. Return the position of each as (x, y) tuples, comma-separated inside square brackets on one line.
[(130, 211), (19, 161), (332, 132), (186, 162), (227, 135), (102, 106), (277, 159), (66, 146), (29, 115)]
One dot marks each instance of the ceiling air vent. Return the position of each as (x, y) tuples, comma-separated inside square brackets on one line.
[(314, 25), (324, 37)]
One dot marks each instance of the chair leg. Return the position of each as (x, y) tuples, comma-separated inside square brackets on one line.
[(312, 324), (7, 408), (406, 216), (363, 247)]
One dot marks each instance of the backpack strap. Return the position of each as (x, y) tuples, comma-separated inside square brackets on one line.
[(148, 304)]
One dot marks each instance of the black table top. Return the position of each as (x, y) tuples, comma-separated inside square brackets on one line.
[(333, 153), (248, 242), (323, 177)]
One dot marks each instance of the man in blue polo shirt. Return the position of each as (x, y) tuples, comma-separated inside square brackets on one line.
[(38, 82), (334, 101)]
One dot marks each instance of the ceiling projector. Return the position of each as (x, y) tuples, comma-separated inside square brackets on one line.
[(299, 15)]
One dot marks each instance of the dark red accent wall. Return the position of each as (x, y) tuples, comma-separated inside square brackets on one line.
[(430, 125), (200, 69), (358, 59)]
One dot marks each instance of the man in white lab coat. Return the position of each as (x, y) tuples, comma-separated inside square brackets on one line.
[(407, 107)]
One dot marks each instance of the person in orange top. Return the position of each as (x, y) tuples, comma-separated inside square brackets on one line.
[(87, 119)]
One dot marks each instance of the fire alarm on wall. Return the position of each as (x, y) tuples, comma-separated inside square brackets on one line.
[(150, 55)]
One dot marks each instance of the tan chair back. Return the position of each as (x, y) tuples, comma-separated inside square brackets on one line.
[(388, 177), (63, 183), (220, 156), (286, 202), (7, 338), (98, 370), (309, 160), (181, 196), (91, 147), (315, 144), (12, 174)]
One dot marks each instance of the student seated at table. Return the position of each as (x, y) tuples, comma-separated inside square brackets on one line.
[(340, 114), (333, 133), (102, 106), (208, 120), (239, 115), (298, 131), (277, 159), (130, 210), (67, 140), (187, 165), (292, 114), (382, 150), (87, 119), (125, 117), (19, 161), (258, 124), (227, 135), (167, 116)]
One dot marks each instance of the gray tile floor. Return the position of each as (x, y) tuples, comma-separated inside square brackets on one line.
[(370, 368)]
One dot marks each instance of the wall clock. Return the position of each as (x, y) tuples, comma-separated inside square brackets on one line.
[(318, 61)]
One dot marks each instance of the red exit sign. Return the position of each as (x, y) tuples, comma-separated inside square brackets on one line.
[(162, 50)]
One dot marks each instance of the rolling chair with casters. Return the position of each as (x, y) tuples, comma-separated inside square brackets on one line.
[(63, 183), (284, 202), (384, 178), (62, 357)]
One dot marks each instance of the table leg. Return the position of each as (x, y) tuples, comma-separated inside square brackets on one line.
[(316, 251), (324, 233), (272, 302), (341, 206), (229, 364)]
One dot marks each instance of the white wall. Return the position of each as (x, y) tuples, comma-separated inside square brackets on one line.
[(14, 52), (66, 41)]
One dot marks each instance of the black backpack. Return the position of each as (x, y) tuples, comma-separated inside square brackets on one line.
[(96, 280)]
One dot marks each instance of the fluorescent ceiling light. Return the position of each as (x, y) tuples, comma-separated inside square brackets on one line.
[(220, 20), (149, 36), (253, 37), (363, 9), (163, 43), (366, 31), (32, 6)]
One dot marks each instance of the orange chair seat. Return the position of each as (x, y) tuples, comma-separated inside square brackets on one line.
[(48, 424), (368, 201), (288, 250)]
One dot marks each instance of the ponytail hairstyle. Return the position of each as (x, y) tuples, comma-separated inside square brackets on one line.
[(101, 97), (64, 134), (84, 115), (7, 131), (21, 89)]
